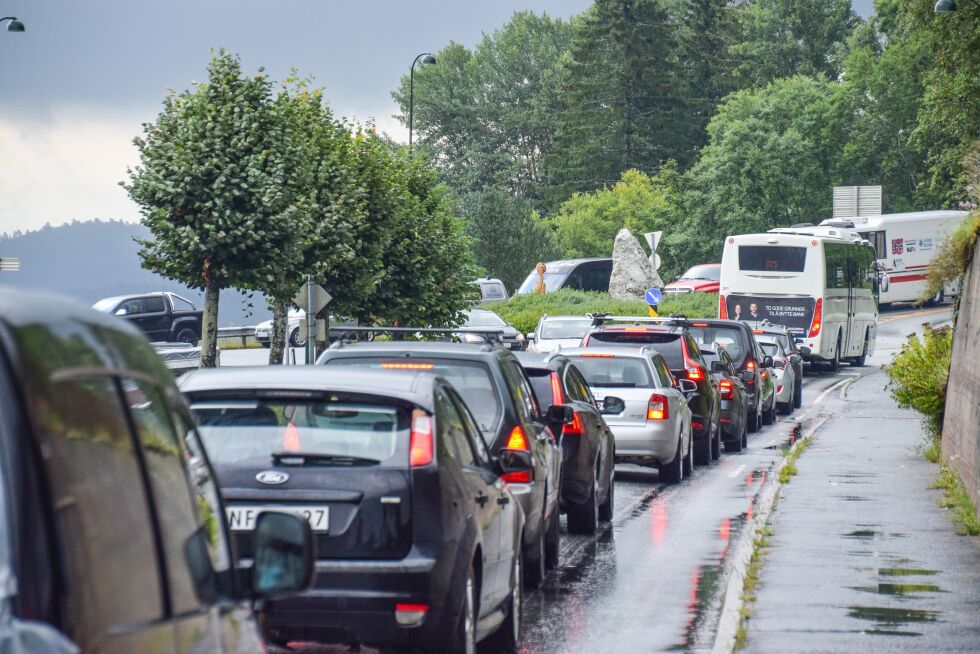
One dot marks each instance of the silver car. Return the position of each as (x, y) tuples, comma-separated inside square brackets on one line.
[(555, 333), (784, 372), (643, 404)]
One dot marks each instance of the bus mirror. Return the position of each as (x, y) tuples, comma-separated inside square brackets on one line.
[(883, 285)]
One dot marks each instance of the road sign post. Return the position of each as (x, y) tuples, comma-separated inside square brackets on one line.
[(653, 297), (312, 298)]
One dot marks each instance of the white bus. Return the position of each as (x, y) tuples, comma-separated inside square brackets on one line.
[(905, 244), (820, 282)]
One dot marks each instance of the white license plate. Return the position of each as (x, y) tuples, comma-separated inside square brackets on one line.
[(242, 518)]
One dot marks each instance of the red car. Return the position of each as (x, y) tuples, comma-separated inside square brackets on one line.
[(703, 278)]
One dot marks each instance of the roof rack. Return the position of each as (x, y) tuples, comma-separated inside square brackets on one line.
[(599, 319), (490, 336)]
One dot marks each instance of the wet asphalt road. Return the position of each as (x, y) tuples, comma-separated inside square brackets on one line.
[(653, 578)]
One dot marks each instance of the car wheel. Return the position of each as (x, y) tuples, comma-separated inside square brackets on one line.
[(266, 345), (187, 336), (745, 435), (784, 409), (716, 444), (552, 543), (735, 445), (462, 640), (584, 518), (297, 338), (754, 419), (688, 465), (535, 572), (798, 395), (607, 507), (673, 472), (507, 638)]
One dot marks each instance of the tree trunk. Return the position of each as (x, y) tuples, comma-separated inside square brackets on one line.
[(280, 325), (209, 328)]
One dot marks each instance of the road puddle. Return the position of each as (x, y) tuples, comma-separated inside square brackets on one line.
[(905, 572), (887, 616), (871, 534), (900, 590)]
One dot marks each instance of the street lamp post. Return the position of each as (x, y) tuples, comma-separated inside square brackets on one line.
[(427, 60), (14, 25)]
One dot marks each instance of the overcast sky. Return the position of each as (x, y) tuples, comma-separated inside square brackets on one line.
[(75, 88)]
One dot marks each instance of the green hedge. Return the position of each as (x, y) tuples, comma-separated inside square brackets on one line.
[(524, 311)]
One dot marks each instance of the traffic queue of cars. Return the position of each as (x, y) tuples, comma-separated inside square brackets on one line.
[(397, 494)]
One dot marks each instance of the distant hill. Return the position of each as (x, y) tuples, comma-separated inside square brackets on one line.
[(95, 259)]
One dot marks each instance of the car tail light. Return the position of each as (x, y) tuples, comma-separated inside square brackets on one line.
[(410, 615), (557, 395), (576, 427), (697, 425), (779, 389), (400, 365), (657, 407), (518, 441), (420, 444), (290, 440), (817, 319), (727, 392), (722, 309), (588, 355), (764, 374), (694, 371)]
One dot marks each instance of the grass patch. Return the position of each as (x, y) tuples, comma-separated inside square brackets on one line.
[(788, 471), (956, 498), (932, 451), (524, 311), (235, 343), (760, 547)]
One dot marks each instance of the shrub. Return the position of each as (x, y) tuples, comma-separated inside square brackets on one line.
[(919, 374), (524, 311), (953, 258)]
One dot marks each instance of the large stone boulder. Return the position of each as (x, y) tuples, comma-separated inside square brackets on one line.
[(632, 273)]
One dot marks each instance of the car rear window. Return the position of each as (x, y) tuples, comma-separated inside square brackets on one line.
[(608, 371), (769, 349), (565, 328), (732, 339), (250, 432), (771, 258), (471, 379), (541, 384), (667, 344)]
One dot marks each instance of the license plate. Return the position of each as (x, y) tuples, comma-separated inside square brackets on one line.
[(242, 518)]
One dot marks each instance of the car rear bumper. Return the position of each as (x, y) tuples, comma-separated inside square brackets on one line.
[(353, 602), (653, 440)]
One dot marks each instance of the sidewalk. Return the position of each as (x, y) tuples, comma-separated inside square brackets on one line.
[(861, 558)]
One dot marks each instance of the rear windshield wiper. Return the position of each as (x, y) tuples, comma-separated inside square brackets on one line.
[(317, 458)]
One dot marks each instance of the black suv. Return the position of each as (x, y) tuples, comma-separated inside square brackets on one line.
[(418, 539), (672, 338), (113, 536), (736, 338), (587, 443), (498, 392)]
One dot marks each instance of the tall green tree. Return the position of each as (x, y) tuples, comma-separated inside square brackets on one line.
[(209, 186), (624, 97), (508, 236)]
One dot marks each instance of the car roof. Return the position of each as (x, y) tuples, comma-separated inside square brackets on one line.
[(548, 318), (446, 349), (635, 352), (409, 386), (45, 333)]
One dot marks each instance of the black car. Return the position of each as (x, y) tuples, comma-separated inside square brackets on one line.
[(113, 532), (163, 317), (587, 443), (418, 540), (734, 398), (496, 389), (737, 339), (672, 338)]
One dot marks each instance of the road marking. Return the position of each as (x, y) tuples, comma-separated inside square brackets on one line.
[(912, 314), (851, 378), (736, 472)]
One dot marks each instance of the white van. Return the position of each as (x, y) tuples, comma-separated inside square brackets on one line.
[(905, 244), (819, 282)]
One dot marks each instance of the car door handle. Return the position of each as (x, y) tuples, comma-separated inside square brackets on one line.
[(503, 500), (482, 499)]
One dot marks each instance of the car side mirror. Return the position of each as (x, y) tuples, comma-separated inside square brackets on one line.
[(560, 414), (780, 364), (795, 358), (284, 554), (767, 362), (747, 375), (613, 406), (510, 461), (121, 312), (804, 350), (717, 366), (687, 386), (531, 336)]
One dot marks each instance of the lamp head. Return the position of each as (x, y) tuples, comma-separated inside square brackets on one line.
[(15, 25), (428, 60), (944, 6)]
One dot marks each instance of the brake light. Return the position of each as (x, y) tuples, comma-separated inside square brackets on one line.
[(598, 356), (750, 364), (817, 319), (557, 395), (636, 329), (764, 374), (722, 309), (290, 440), (407, 366), (575, 427), (420, 443), (518, 440), (410, 615), (657, 408), (779, 389), (727, 392), (697, 425), (758, 331), (694, 371)]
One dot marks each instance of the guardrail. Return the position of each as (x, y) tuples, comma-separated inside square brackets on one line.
[(237, 332)]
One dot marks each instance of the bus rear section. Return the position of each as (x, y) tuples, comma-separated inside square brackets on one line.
[(820, 287)]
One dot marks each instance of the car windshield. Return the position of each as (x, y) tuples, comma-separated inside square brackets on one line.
[(106, 305), (725, 337), (712, 273), (484, 319), (471, 379), (250, 432), (565, 328), (552, 281), (667, 344), (612, 371)]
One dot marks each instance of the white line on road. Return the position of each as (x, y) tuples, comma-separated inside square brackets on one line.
[(736, 472)]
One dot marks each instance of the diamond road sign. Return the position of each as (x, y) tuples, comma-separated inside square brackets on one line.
[(320, 298)]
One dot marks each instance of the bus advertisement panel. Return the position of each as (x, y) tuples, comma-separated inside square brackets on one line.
[(795, 313)]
